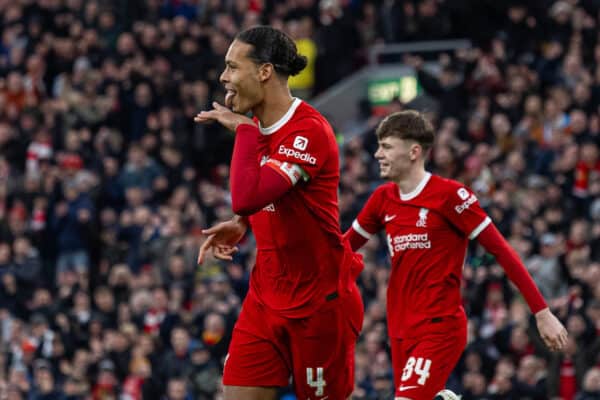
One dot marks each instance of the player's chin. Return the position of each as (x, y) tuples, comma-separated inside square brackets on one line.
[(239, 108), (388, 176)]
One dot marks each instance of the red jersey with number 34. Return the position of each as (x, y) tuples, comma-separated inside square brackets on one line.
[(298, 237), (427, 232)]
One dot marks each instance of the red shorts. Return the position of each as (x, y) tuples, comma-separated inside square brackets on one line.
[(318, 351), (422, 365)]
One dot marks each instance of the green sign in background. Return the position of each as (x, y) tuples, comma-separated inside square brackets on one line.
[(382, 91)]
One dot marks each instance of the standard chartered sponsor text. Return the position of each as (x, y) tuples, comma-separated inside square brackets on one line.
[(411, 241)]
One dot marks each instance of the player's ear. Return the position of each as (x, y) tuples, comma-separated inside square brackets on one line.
[(415, 151), (265, 71)]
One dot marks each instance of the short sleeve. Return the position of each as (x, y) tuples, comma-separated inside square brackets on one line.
[(309, 147), (463, 210), (368, 221)]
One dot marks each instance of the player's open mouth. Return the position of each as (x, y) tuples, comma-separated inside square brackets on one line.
[(229, 95)]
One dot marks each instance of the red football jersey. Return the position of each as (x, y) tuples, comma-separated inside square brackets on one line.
[(298, 237), (427, 234)]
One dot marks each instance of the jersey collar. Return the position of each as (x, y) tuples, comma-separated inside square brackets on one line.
[(282, 121), (417, 191)]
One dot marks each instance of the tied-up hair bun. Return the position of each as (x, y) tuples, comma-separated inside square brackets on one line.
[(274, 47)]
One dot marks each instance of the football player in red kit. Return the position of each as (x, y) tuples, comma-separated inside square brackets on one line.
[(428, 221), (303, 312)]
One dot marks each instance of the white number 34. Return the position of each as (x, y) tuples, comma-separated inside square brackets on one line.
[(419, 366), (318, 383)]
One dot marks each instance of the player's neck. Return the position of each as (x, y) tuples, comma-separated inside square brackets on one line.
[(410, 181), (274, 106)]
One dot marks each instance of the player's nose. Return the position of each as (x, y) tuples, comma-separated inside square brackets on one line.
[(224, 77)]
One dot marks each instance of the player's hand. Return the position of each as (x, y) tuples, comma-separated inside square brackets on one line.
[(222, 239), (224, 116), (552, 332)]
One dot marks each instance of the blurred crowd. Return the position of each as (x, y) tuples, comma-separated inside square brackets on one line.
[(105, 184)]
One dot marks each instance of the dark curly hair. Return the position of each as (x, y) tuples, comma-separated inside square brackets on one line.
[(274, 47)]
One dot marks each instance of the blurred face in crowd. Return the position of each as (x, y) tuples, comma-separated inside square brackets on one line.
[(44, 379), (447, 77), (146, 344), (160, 299), (551, 109), (14, 82), (126, 44), (21, 246), (500, 125), (214, 323), (589, 154), (528, 369), (42, 297), (533, 105), (176, 389), (591, 381), (578, 121), (136, 156), (517, 13), (4, 253), (518, 338), (177, 266), (71, 192), (505, 368), (576, 325), (180, 341), (104, 299), (243, 79), (582, 93), (143, 95), (578, 233)]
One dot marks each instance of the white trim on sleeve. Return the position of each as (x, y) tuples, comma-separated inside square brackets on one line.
[(480, 228), (360, 230)]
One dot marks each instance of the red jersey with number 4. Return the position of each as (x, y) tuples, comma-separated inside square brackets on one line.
[(298, 238), (427, 232)]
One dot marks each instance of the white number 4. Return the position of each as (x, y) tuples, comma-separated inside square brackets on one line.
[(319, 383), (419, 366)]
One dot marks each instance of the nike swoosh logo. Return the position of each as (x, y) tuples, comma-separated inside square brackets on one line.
[(403, 388), (388, 218)]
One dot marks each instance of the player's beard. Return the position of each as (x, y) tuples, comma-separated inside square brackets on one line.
[(237, 102)]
